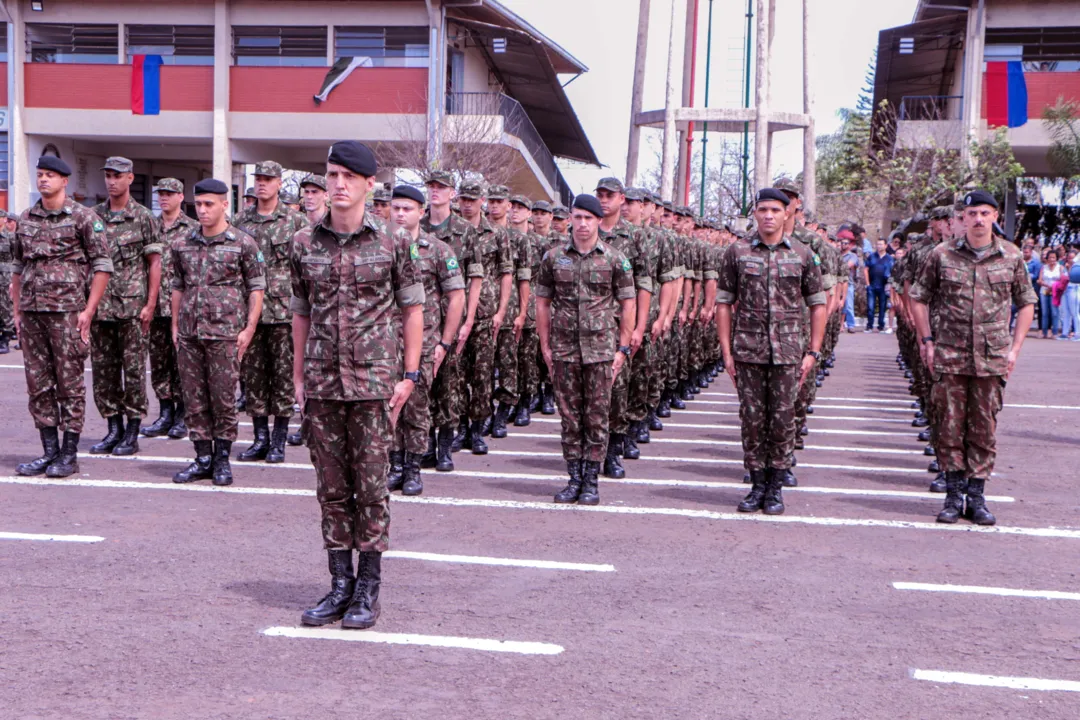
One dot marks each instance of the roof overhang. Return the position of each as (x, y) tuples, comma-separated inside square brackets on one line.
[(934, 9), (929, 68)]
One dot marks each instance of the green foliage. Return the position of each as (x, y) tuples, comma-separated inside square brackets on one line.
[(843, 156), (1063, 122)]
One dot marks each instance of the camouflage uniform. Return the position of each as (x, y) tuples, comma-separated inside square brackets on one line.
[(584, 291), (667, 270), (268, 364), (506, 351), (7, 312), (441, 275), (550, 241), (55, 253), (529, 360), (117, 343), (164, 369), (770, 286), (215, 277), (808, 391), (351, 289)]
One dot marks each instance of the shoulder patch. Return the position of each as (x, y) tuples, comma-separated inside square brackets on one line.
[(260, 256), (563, 260), (451, 263), (817, 259), (626, 265), (99, 226), (414, 251)]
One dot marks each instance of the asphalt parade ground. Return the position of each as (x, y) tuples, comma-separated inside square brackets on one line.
[(123, 595)]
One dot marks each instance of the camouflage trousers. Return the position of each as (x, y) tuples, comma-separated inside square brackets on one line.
[(529, 362), (583, 396), (448, 392), (767, 413), (968, 408), (685, 340), (695, 354), (209, 371), (414, 421), (118, 359), (478, 367), (619, 414), (164, 370), (54, 356), (506, 366), (644, 367), (656, 359), (349, 443), (7, 311), (673, 343), (267, 371), (806, 394)]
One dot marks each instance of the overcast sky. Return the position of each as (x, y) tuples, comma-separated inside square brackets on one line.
[(602, 34)]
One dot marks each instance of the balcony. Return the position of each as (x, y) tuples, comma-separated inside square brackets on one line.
[(930, 120)]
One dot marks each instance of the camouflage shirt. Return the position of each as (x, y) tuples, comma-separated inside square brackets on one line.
[(521, 252), (441, 275), (538, 247), (770, 286), (351, 288), (631, 241), (171, 235), (584, 291), (6, 239), (973, 298), (666, 267), (216, 275), (274, 234), (456, 232), (54, 252), (133, 235), (491, 253), (821, 249)]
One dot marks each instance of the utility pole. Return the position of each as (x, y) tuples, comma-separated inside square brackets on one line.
[(634, 147), (671, 150), (809, 183), (761, 120)]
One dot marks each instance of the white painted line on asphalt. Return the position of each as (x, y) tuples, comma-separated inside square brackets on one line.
[(980, 590), (815, 416), (502, 562), (898, 401), (997, 681), (817, 406), (1050, 532), (442, 641), (698, 426), (50, 538), (738, 444)]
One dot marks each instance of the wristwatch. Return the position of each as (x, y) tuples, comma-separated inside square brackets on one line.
[(625, 350), (445, 346), (414, 376), (815, 355), (928, 338)]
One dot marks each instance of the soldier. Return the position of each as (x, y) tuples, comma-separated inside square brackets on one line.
[(444, 305), (217, 293), (380, 199), (174, 226), (61, 263), (560, 220), (118, 342), (357, 292), (289, 199), (667, 274), (960, 304), (543, 395), (7, 312), (267, 366), (250, 199), (314, 189), (578, 289), (768, 278), (490, 249)]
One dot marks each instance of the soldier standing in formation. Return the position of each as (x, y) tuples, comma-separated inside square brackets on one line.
[(7, 310), (174, 226), (267, 366), (358, 299), (118, 342), (217, 294), (528, 350), (61, 263), (585, 313), (544, 227), (968, 287), (768, 279), (560, 220), (380, 202), (313, 188)]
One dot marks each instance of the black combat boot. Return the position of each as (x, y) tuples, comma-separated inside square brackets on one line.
[(799, 444), (485, 427), (825, 371), (522, 418), (363, 611), (202, 468), (703, 380), (395, 477), (685, 393), (937, 485), (630, 449), (643, 436), (411, 484), (809, 409), (498, 422), (478, 446), (817, 382), (547, 403), (663, 410), (534, 400), (444, 459), (276, 454), (920, 421), (590, 483), (934, 466), (908, 375), (804, 429), (612, 464), (676, 401), (241, 402), (462, 437), (112, 437), (654, 421), (753, 501), (164, 422), (261, 447), (67, 463), (955, 485), (427, 460), (746, 478), (129, 444), (221, 467), (569, 494), (929, 451), (976, 510), (295, 438), (50, 446), (179, 429), (924, 435), (332, 607), (787, 478), (773, 504), (4, 349)]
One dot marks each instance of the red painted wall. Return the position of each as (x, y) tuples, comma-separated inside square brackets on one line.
[(108, 87), (1044, 88), (291, 89), (3, 82)]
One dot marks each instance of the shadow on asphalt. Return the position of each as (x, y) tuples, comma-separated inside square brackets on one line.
[(289, 596), (724, 497), (535, 488), (915, 510)]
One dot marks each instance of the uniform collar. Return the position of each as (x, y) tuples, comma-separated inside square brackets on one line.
[(279, 211), (756, 240), (66, 209), (228, 234), (994, 247), (599, 247)]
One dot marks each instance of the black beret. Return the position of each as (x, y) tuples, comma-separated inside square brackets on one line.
[(979, 197), (51, 162), (408, 192), (773, 194), (588, 203), (211, 186), (354, 155)]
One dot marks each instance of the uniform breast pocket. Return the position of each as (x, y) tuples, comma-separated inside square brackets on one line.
[(222, 266), (752, 269), (280, 248), (130, 247), (790, 272), (371, 273), (953, 275), (600, 277), (1000, 283), (319, 277)]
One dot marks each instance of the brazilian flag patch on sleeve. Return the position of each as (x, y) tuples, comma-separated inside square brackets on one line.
[(99, 226), (451, 263), (414, 251), (817, 260), (260, 257), (626, 265)]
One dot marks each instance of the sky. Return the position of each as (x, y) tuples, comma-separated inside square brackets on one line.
[(603, 33)]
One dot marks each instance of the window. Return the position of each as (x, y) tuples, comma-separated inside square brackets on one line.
[(3, 47), (386, 46), (56, 43), (262, 45), (3, 160), (176, 44)]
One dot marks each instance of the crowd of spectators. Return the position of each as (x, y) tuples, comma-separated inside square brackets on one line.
[(1056, 278)]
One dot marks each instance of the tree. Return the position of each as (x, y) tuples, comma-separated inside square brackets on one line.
[(1063, 123), (842, 156), (723, 175)]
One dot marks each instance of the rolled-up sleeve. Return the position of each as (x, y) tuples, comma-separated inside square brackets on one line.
[(544, 286), (727, 281)]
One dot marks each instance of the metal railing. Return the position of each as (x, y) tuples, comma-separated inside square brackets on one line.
[(931, 107), (516, 122)]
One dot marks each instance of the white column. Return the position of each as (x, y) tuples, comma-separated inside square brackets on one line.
[(634, 145), (809, 184), (974, 45), (121, 44), (222, 64), (671, 150), (761, 99), (685, 139), (19, 185)]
